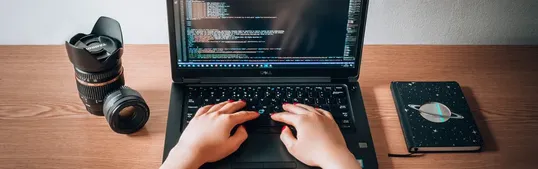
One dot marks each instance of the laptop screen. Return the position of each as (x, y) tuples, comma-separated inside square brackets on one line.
[(267, 34)]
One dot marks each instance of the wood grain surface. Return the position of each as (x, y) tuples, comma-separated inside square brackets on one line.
[(44, 125)]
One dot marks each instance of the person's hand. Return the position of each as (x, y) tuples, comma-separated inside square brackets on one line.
[(207, 137), (319, 141)]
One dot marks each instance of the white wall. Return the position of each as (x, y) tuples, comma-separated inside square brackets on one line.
[(389, 22)]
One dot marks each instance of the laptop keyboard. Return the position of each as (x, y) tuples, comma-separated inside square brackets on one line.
[(269, 99)]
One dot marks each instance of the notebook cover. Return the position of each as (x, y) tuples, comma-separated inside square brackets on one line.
[(460, 130)]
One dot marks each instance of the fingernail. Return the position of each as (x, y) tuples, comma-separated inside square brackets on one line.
[(295, 103), (283, 128), (231, 101), (243, 101), (285, 103), (271, 114)]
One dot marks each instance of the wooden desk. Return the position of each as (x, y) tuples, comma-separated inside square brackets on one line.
[(44, 125)]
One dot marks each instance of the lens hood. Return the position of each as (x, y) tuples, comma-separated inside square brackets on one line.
[(86, 60)]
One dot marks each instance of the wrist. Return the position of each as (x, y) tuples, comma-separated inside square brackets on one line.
[(180, 158), (340, 159)]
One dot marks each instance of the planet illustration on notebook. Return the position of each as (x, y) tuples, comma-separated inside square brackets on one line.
[(435, 112)]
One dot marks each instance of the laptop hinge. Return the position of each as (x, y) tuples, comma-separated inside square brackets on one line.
[(344, 80), (231, 80)]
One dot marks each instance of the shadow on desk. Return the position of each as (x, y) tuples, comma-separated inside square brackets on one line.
[(377, 127), (489, 140), (158, 102), (141, 133)]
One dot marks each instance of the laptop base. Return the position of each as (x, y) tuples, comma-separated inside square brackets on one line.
[(265, 150)]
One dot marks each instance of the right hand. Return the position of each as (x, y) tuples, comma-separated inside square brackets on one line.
[(319, 141)]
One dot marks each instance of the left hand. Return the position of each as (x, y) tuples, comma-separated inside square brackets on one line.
[(207, 137)]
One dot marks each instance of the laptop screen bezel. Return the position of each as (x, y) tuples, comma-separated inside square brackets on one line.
[(179, 74)]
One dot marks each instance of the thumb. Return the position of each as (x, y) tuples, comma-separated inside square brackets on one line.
[(288, 139), (235, 141)]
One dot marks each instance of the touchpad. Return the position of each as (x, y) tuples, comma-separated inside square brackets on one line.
[(263, 148)]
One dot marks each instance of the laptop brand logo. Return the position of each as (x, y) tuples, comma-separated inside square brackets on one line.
[(266, 73)]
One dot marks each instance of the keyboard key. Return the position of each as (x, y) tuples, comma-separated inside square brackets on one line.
[(338, 94), (307, 101), (186, 123), (340, 107), (269, 109), (326, 107), (312, 94), (189, 116), (340, 115), (251, 108), (277, 109), (347, 128)]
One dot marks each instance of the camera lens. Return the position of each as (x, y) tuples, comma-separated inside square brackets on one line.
[(126, 111), (98, 69), (96, 58)]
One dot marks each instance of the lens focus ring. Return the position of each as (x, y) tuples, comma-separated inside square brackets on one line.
[(99, 92), (98, 77)]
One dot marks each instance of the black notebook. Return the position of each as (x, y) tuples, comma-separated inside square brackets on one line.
[(435, 116)]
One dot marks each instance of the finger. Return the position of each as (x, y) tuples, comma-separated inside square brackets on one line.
[(288, 139), (325, 112), (243, 116), (286, 117), (307, 107), (203, 110), (294, 109), (235, 141), (217, 107), (232, 107)]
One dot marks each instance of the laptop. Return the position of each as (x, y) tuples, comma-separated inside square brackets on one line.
[(269, 52)]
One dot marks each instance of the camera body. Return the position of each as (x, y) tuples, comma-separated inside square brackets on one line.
[(100, 80)]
